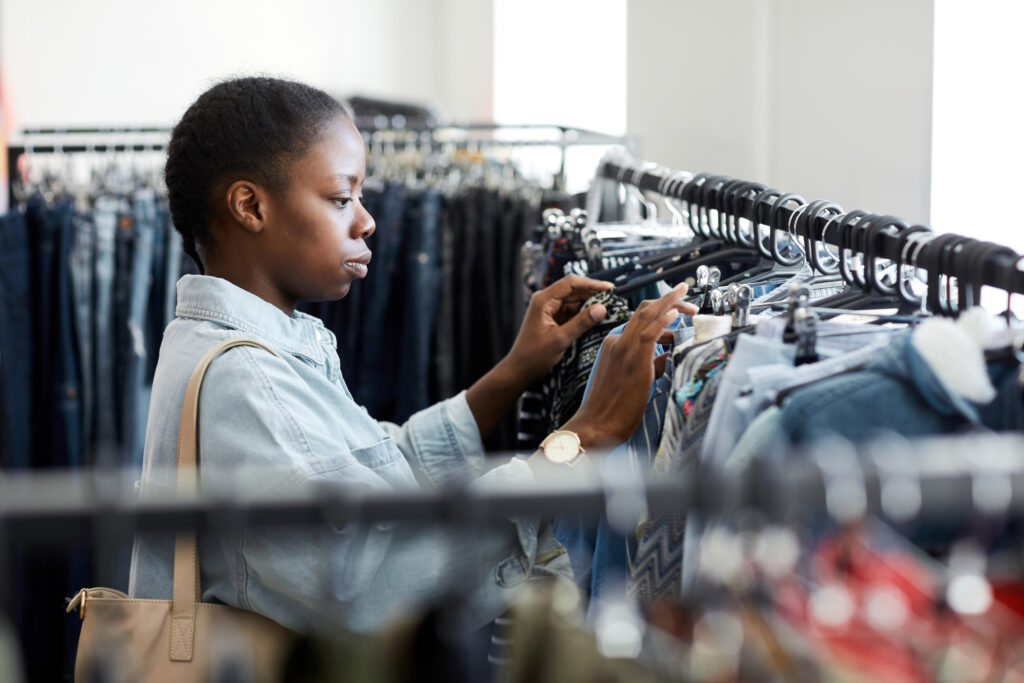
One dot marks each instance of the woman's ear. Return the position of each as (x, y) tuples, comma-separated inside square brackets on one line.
[(246, 204)]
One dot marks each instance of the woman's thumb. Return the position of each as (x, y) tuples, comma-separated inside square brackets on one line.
[(585, 319)]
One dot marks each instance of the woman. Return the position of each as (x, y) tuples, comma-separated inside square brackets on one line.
[(264, 183)]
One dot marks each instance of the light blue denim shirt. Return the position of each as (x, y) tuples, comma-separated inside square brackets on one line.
[(295, 415)]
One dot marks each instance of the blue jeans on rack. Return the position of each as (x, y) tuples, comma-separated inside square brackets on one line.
[(41, 245), (105, 416), (124, 247), (444, 343), (65, 390), (368, 389), (347, 314), (16, 347), (173, 266), (81, 265), (54, 391), (422, 277), (155, 307), (134, 390)]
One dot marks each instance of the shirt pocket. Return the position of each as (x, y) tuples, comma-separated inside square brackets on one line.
[(385, 460), (382, 454)]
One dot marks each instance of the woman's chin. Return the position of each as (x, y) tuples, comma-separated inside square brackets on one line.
[(341, 292), (333, 294)]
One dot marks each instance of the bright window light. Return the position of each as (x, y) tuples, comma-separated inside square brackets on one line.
[(977, 130), (562, 63)]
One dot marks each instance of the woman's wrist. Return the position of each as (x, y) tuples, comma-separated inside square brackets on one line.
[(592, 437), (519, 370), (494, 394), (514, 374)]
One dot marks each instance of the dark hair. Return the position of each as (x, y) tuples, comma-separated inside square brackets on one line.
[(250, 126)]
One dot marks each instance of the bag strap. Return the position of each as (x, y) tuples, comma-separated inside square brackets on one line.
[(186, 556)]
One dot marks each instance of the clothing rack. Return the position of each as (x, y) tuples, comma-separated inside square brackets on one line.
[(567, 137), (440, 136), (996, 269), (950, 478)]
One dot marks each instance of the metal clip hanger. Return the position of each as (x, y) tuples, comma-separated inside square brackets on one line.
[(708, 279), (738, 298), (802, 327)]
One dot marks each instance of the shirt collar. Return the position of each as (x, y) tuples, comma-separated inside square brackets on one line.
[(203, 297)]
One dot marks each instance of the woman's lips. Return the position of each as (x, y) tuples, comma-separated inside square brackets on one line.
[(360, 269), (359, 265)]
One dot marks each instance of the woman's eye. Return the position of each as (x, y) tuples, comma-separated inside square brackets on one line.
[(341, 202)]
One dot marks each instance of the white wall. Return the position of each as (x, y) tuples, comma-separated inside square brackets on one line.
[(978, 136), (692, 85), (828, 98), (465, 70), (124, 62), (561, 63)]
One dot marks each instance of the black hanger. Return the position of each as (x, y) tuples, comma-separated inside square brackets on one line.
[(741, 192), (932, 256), (974, 257), (848, 243), (1007, 284), (638, 263), (860, 294), (689, 196), (948, 262), (872, 249), (772, 258), (906, 259), (805, 226), (865, 291), (774, 219), (653, 262), (724, 206), (687, 269), (703, 198), (971, 255), (698, 198), (762, 201)]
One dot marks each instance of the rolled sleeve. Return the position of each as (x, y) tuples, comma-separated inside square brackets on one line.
[(442, 443)]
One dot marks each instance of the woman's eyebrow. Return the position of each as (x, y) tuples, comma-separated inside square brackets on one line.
[(354, 179)]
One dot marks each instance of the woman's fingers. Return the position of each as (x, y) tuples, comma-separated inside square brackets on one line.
[(574, 289), (651, 312), (687, 308)]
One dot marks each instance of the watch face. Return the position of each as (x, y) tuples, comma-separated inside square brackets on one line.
[(561, 448)]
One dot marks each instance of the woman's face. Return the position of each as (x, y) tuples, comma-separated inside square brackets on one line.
[(319, 222)]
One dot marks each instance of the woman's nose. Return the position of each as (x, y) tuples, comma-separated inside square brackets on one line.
[(364, 224)]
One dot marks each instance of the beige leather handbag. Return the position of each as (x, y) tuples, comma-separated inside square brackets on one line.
[(182, 639)]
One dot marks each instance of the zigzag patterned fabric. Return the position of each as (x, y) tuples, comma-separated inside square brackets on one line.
[(656, 566), (656, 560)]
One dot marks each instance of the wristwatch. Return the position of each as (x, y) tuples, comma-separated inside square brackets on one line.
[(562, 447)]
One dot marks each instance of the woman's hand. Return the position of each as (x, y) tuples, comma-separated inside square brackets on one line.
[(552, 322), (621, 380)]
